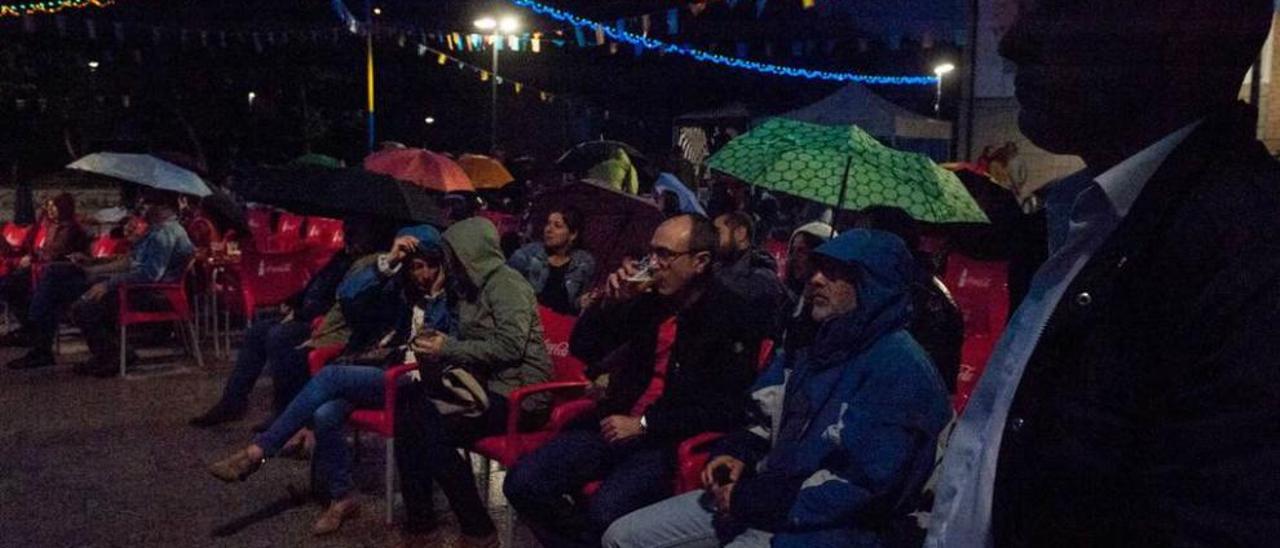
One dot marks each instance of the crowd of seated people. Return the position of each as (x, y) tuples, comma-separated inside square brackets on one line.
[(672, 341)]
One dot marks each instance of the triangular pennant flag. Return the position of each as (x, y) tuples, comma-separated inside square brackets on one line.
[(513, 43), (498, 80), (442, 59), (807, 4), (519, 87), (645, 22), (580, 36), (535, 43), (484, 76), (613, 48), (673, 21), (422, 50), (544, 96), (760, 4), (401, 40), (599, 35)]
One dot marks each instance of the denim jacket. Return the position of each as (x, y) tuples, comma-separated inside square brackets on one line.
[(531, 262), (161, 256)]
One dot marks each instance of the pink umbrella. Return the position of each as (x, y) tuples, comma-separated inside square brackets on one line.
[(420, 167)]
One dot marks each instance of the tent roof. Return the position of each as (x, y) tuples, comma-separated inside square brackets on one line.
[(857, 105), (732, 111)]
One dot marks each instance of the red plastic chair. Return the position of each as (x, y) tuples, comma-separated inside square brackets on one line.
[(259, 280), (16, 236), (106, 246), (323, 238), (179, 313), (568, 384), (380, 422), (981, 290)]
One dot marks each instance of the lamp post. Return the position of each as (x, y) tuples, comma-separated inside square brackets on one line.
[(940, 71), (498, 27)]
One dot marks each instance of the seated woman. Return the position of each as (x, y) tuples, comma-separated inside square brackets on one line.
[(401, 292), (65, 237), (557, 268)]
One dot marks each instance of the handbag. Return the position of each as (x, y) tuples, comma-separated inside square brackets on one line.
[(456, 392)]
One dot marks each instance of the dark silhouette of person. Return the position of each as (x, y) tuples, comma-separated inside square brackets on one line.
[(1135, 398)]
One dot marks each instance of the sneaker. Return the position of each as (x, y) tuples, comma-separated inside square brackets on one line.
[(216, 415), (32, 360)]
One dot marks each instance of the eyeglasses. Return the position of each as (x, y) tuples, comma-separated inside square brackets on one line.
[(664, 256)]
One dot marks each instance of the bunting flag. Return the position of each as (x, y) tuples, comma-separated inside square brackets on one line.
[(673, 21)]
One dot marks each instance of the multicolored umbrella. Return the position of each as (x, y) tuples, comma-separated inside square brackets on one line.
[(486, 173), (420, 167), (145, 170), (846, 168)]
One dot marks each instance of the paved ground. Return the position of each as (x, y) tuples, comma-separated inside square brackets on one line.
[(112, 462)]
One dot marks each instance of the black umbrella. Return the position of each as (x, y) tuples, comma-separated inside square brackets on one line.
[(585, 155), (310, 190), (224, 211), (615, 224)]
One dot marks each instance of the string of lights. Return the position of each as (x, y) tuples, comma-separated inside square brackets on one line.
[(620, 35), (45, 8)]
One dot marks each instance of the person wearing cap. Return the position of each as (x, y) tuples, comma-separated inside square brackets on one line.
[(401, 292), (842, 433)]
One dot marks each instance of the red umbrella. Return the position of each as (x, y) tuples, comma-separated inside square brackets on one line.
[(420, 167)]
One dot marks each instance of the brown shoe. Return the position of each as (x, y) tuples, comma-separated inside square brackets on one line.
[(333, 516), (487, 541), (236, 467)]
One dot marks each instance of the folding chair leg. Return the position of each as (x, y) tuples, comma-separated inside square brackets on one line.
[(391, 480), (124, 350), (195, 345)]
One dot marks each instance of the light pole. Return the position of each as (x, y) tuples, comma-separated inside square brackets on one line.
[(940, 71), (506, 25)]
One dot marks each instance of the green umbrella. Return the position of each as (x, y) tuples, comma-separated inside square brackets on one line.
[(846, 168), (319, 160)]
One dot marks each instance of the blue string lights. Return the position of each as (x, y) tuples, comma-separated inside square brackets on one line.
[(620, 35)]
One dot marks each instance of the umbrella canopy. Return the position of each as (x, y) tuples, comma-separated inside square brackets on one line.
[(588, 154), (614, 223), (420, 167), (485, 173), (145, 170), (319, 160), (846, 168), (312, 190), (668, 183)]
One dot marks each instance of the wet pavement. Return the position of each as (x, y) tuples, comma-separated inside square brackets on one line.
[(112, 462)]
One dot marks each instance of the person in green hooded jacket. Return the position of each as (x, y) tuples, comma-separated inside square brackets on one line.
[(500, 341)]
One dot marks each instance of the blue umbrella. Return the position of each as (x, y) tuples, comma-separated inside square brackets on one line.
[(145, 170), (688, 199)]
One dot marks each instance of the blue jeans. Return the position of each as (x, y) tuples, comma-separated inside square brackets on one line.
[(60, 285), (678, 522), (634, 475), (326, 401), (275, 342)]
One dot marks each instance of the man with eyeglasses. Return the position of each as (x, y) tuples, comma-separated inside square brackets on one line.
[(672, 352)]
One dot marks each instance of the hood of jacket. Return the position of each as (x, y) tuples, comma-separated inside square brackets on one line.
[(427, 235), (885, 272), (475, 242)]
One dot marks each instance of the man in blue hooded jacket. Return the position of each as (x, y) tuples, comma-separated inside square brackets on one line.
[(843, 432)]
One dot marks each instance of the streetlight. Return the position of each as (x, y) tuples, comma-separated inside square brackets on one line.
[(93, 65), (252, 96), (429, 120), (498, 27), (940, 71)]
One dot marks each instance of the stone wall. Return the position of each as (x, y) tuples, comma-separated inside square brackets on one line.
[(87, 200)]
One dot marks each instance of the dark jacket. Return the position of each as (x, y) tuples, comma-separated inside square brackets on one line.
[(843, 432), (754, 276), (321, 291), (938, 325), (64, 238), (1149, 414), (712, 362), (375, 304)]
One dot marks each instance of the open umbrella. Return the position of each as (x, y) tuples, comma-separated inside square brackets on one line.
[(485, 173), (326, 192), (320, 160), (614, 223), (421, 167), (145, 170), (846, 168), (588, 154)]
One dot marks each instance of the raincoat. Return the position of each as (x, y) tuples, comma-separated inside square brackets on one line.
[(843, 432), (618, 172), (499, 333)]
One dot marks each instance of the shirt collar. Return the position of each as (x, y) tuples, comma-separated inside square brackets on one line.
[(1124, 181)]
